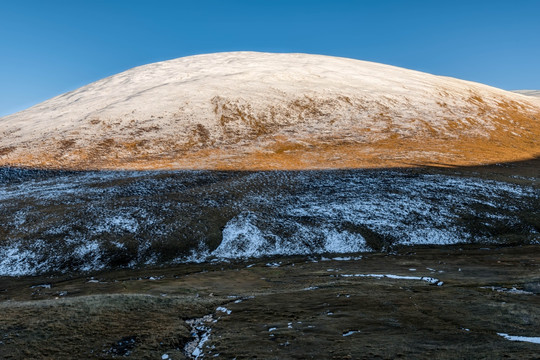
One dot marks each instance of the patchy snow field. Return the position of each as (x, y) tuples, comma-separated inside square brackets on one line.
[(69, 221)]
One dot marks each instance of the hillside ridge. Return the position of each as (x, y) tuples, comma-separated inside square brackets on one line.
[(260, 111)]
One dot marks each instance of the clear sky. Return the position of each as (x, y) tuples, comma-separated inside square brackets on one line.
[(48, 47)]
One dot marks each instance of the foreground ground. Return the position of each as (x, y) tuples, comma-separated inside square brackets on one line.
[(288, 307), (436, 301)]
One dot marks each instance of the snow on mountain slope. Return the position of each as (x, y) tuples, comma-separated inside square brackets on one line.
[(248, 110), (535, 93)]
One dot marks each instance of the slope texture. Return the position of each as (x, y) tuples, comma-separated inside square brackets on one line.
[(254, 111)]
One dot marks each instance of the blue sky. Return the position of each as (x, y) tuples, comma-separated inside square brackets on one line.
[(50, 47)]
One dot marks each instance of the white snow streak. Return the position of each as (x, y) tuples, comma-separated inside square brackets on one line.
[(534, 340)]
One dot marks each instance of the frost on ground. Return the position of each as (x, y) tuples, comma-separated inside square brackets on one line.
[(248, 110), (508, 290), (535, 340), (69, 221), (429, 280), (200, 332), (223, 310)]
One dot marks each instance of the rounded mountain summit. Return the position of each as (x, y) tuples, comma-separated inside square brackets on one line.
[(261, 111)]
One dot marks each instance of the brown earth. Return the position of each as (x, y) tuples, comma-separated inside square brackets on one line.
[(297, 310)]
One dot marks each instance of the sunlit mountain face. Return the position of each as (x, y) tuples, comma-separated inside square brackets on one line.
[(262, 111)]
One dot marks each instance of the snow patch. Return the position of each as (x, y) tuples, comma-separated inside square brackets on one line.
[(201, 334), (330, 213), (534, 340), (507, 290), (224, 310), (242, 238), (427, 279), (44, 286)]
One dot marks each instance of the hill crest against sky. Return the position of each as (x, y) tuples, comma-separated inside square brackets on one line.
[(259, 111)]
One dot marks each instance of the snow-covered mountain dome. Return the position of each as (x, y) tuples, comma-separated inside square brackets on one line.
[(248, 110)]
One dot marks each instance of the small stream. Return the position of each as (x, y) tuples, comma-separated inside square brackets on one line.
[(200, 330)]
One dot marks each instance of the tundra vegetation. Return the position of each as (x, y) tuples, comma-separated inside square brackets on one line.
[(423, 263)]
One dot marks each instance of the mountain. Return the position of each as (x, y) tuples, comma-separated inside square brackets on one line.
[(535, 93), (250, 111)]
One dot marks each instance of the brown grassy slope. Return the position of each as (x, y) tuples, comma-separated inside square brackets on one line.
[(245, 141)]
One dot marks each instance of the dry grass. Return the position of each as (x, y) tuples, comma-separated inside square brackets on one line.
[(246, 139), (6, 150), (395, 318), (93, 326)]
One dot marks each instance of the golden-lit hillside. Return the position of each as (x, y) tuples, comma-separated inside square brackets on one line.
[(256, 111)]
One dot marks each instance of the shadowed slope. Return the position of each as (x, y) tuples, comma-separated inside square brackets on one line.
[(78, 221)]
